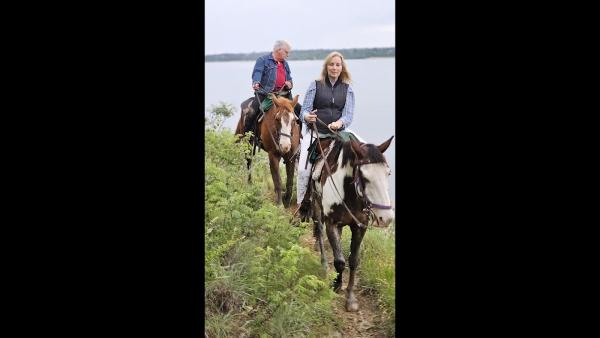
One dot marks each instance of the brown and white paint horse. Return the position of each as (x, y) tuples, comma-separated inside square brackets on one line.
[(360, 173), (280, 138)]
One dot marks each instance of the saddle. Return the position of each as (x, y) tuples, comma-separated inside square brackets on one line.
[(264, 105), (327, 143), (318, 160)]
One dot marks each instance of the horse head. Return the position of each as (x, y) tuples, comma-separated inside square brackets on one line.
[(370, 176), (285, 120)]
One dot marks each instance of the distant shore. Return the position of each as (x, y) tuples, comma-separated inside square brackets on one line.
[(309, 54)]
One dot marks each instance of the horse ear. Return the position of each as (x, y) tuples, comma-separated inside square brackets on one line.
[(383, 147), (295, 100), (358, 149)]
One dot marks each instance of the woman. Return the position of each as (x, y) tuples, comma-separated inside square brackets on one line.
[(331, 99)]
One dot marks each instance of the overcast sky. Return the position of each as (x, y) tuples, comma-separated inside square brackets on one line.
[(245, 26)]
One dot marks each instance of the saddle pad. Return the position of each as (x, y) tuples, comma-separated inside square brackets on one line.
[(320, 162)]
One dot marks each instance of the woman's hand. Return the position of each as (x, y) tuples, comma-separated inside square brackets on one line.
[(310, 117), (336, 125)]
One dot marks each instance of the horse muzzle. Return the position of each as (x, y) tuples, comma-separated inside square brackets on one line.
[(384, 217), (285, 143)]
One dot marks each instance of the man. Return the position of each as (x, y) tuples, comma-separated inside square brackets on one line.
[(271, 74)]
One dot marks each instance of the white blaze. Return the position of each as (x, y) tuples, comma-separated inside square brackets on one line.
[(377, 190), (285, 143)]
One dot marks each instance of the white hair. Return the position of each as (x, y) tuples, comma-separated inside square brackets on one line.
[(281, 44)]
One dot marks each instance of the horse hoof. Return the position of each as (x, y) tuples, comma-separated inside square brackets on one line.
[(351, 306), (336, 287)]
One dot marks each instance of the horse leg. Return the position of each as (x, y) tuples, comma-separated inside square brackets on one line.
[(333, 234), (289, 171), (274, 166), (353, 261), (249, 165), (318, 233), (318, 227)]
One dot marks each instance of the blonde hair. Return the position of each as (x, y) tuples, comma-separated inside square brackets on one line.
[(344, 75)]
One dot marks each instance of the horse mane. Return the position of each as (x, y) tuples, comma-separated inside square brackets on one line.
[(371, 152), (282, 103)]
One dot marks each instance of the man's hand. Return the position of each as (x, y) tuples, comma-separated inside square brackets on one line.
[(288, 84), (256, 86)]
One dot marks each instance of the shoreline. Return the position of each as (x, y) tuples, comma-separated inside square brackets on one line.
[(288, 60)]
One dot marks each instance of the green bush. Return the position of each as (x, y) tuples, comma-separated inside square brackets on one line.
[(218, 114), (258, 280)]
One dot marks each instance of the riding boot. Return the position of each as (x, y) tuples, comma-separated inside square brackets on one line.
[(297, 109)]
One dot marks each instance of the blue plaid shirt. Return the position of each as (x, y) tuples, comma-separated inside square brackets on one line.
[(347, 112)]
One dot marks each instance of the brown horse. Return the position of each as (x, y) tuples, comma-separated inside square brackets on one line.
[(351, 190), (280, 138)]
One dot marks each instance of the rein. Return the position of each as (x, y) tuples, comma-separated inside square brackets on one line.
[(269, 129), (358, 223), (358, 183)]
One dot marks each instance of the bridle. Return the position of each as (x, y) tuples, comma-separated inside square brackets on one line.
[(284, 134), (358, 184), (279, 133)]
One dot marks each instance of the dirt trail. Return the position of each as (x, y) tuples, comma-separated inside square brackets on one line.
[(364, 322)]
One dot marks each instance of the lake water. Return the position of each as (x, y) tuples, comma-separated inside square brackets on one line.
[(372, 80)]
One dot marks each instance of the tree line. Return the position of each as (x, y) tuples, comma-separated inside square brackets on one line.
[(308, 54)]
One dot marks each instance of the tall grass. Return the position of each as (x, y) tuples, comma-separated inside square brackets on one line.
[(376, 271), (258, 281)]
